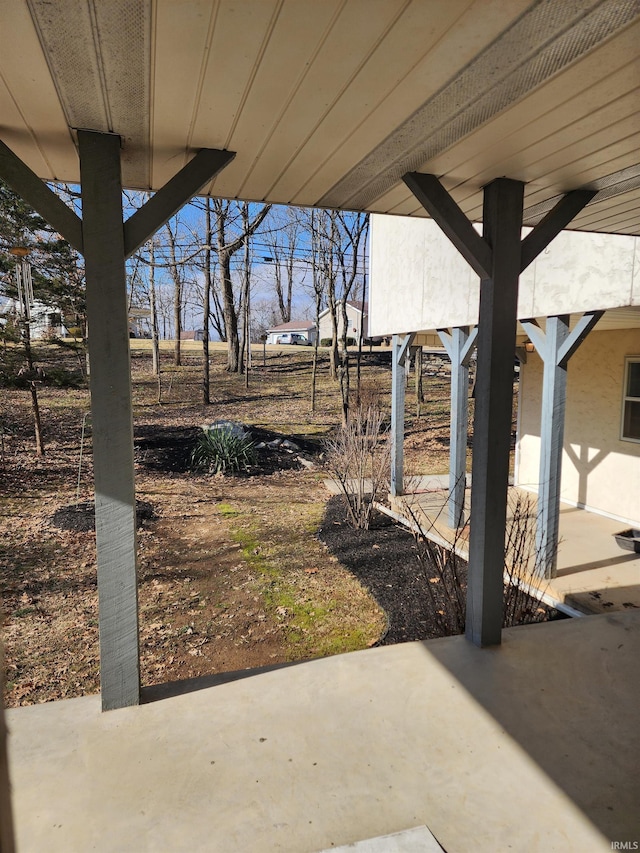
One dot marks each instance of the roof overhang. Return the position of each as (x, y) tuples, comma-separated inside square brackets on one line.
[(329, 104)]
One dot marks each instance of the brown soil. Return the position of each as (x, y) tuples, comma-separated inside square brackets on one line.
[(232, 572)]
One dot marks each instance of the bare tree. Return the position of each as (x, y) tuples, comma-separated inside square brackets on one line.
[(318, 284), (284, 240), (351, 234), (206, 304), (176, 275), (155, 338), (226, 247)]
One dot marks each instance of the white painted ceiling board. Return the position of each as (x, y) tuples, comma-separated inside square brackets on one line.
[(580, 89), (378, 93), (352, 36), (27, 82), (332, 99), (298, 33), (181, 31)]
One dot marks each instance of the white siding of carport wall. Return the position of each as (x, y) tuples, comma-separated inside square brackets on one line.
[(600, 471), (420, 282)]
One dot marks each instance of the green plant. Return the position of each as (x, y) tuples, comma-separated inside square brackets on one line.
[(222, 451)]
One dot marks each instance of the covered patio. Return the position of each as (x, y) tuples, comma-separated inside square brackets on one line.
[(528, 746), (594, 575), (516, 113)]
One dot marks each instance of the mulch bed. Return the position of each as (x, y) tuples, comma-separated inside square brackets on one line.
[(168, 449), (81, 517), (385, 560), (409, 590)]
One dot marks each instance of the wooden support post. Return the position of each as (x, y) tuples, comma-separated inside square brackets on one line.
[(399, 349), (103, 239), (554, 399), (502, 223), (555, 346), (498, 257), (459, 345)]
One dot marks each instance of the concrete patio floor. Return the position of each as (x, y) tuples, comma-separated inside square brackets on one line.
[(594, 574), (530, 746)]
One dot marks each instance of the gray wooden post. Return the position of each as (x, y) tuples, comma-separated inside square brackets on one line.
[(400, 348), (502, 223), (555, 346), (497, 257), (112, 423), (554, 400), (398, 381), (106, 241), (459, 345)]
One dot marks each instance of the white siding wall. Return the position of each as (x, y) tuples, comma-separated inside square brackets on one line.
[(353, 318), (420, 282), (599, 470)]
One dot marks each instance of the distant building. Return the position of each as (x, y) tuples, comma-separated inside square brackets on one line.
[(357, 324), (192, 335), (306, 328), (44, 322)]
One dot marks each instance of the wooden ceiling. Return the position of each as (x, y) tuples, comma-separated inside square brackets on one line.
[(330, 102)]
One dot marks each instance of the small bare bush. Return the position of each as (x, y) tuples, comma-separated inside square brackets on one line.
[(358, 458), (447, 571)]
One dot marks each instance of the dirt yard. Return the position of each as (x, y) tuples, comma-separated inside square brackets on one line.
[(234, 572)]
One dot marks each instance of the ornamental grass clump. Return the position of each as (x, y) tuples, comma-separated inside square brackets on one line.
[(223, 451)]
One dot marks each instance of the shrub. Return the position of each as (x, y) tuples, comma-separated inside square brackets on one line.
[(358, 457), (440, 561), (222, 451), (327, 342)]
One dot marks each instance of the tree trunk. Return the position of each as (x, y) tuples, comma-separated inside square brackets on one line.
[(230, 315), (177, 296), (246, 296), (37, 425), (155, 337), (206, 307), (343, 365)]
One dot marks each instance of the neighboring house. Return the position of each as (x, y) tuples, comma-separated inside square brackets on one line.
[(356, 324), (592, 280), (139, 322), (45, 321), (306, 328), (192, 335)]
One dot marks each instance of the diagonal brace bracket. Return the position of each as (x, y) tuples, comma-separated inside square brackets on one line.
[(452, 220), (577, 335), (34, 191), (466, 352), (569, 346), (552, 224), (475, 249), (173, 195), (405, 345)]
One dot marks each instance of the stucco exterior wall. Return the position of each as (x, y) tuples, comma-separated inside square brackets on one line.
[(419, 281), (599, 470)]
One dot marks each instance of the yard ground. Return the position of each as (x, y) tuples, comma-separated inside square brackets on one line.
[(232, 570)]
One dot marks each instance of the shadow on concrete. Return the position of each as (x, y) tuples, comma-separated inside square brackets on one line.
[(566, 693), (157, 692)]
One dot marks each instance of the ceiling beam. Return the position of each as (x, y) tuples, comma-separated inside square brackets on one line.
[(173, 195), (451, 219), (552, 224), (36, 193)]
